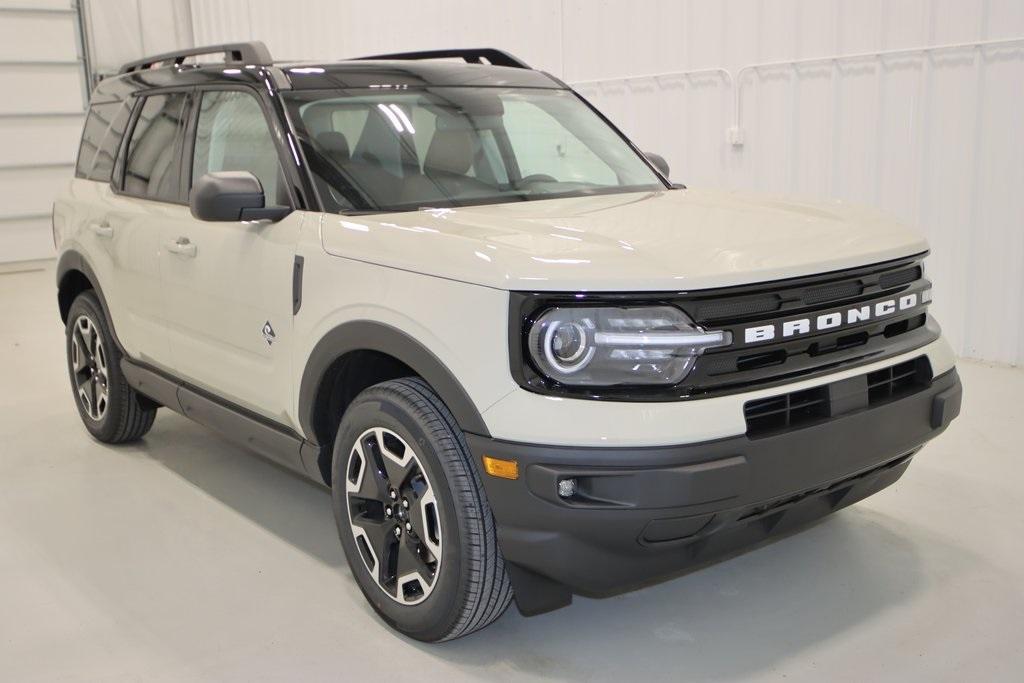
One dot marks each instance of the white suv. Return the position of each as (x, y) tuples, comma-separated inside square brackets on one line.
[(526, 363)]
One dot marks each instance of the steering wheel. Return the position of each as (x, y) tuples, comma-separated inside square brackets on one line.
[(538, 178)]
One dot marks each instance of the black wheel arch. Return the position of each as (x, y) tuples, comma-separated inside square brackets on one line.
[(378, 338), (74, 276)]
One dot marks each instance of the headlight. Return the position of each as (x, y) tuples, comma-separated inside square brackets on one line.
[(606, 346)]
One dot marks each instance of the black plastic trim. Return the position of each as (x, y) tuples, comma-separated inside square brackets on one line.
[(946, 406), (260, 434), (232, 196), (252, 52), (274, 442), (643, 514), (152, 383), (300, 262), (72, 260), (367, 335), (471, 55)]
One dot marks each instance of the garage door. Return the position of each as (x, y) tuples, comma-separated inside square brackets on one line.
[(41, 112)]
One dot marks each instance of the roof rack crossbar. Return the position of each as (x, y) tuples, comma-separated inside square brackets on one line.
[(253, 52), (473, 56)]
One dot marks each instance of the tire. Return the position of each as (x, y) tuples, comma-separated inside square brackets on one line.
[(110, 409), (399, 436)]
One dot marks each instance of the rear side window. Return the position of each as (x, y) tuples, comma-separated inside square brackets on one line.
[(232, 135), (153, 166), (101, 137), (103, 166)]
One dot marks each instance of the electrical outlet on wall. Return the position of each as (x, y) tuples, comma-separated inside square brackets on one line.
[(734, 135)]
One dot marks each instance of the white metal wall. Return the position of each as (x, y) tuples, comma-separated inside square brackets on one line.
[(42, 82), (935, 136), (42, 78), (125, 30)]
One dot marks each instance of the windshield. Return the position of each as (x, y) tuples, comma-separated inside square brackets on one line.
[(391, 150)]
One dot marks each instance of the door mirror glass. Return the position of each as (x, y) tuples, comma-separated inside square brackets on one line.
[(658, 162), (232, 196)]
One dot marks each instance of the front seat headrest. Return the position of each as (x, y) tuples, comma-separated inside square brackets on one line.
[(450, 151), (335, 144)]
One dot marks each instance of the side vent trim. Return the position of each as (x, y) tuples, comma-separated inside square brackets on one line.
[(297, 284)]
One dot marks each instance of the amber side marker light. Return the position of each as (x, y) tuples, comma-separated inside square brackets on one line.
[(503, 469)]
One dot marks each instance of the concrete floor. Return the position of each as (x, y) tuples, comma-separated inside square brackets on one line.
[(184, 557)]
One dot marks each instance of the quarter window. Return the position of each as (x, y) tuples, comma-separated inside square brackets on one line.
[(103, 166), (104, 128), (232, 135)]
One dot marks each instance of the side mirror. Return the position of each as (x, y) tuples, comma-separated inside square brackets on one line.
[(232, 196), (658, 161)]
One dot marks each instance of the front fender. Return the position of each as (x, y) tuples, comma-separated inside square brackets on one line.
[(367, 335)]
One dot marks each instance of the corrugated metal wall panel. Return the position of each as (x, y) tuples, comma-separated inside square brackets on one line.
[(43, 81), (125, 30), (934, 138), (41, 113), (322, 30)]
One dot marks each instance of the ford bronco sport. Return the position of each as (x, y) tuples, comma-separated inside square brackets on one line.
[(526, 364)]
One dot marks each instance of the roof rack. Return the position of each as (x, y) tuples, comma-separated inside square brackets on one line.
[(253, 52), (473, 56)]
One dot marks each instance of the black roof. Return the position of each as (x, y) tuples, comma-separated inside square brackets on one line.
[(251, 63), (366, 73)]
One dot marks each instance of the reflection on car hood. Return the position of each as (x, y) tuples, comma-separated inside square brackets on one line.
[(654, 241)]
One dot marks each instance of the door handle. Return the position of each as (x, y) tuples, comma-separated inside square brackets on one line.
[(182, 247), (102, 229)]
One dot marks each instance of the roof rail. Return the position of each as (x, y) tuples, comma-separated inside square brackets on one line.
[(253, 52), (473, 56)]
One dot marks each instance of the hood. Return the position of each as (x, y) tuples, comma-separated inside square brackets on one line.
[(674, 240)]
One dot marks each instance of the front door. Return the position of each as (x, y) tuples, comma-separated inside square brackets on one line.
[(228, 285)]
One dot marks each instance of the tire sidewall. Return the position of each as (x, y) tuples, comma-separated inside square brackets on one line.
[(433, 618), (88, 305)]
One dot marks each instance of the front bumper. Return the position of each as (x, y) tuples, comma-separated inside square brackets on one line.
[(643, 514)]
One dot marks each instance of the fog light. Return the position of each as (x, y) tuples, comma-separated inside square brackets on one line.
[(566, 488)]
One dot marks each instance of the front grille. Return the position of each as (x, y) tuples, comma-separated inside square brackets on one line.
[(897, 381), (741, 366), (798, 409), (899, 277), (832, 293), (789, 411), (737, 308), (750, 363)]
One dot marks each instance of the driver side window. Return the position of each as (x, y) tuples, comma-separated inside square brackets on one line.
[(232, 135), (152, 168)]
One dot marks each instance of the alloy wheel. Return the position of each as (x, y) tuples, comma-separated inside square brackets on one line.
[(89, 368), (393, 515)]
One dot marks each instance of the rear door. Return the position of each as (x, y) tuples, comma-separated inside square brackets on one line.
[(144, 198), (228, 285), (81, 212)]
